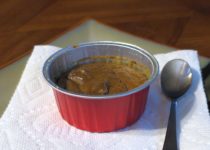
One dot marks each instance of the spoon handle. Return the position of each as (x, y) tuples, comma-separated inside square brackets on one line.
[(171, 138)]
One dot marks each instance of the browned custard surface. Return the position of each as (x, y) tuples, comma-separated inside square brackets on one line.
[(106, 77)]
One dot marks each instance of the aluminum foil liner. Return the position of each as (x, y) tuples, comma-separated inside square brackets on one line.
[(69, 57)]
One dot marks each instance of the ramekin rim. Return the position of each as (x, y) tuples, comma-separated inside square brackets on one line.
[(100, 97)]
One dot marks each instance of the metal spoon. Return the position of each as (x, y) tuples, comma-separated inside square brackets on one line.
[(176, 78)]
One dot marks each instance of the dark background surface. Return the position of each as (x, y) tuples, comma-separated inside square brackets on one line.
[(24, 23)]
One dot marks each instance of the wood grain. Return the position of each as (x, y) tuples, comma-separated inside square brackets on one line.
[(23, 23)]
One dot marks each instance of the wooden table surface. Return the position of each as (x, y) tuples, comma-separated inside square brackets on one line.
[(178, 23)]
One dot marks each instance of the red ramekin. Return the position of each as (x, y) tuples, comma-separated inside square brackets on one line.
[(99, 113)]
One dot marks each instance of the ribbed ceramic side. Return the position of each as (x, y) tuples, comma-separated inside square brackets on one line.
[(104, 115)]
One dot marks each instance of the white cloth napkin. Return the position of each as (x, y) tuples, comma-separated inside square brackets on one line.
[(32, 121)]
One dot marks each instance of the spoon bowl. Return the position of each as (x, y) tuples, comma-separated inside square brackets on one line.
[(176, 78)]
